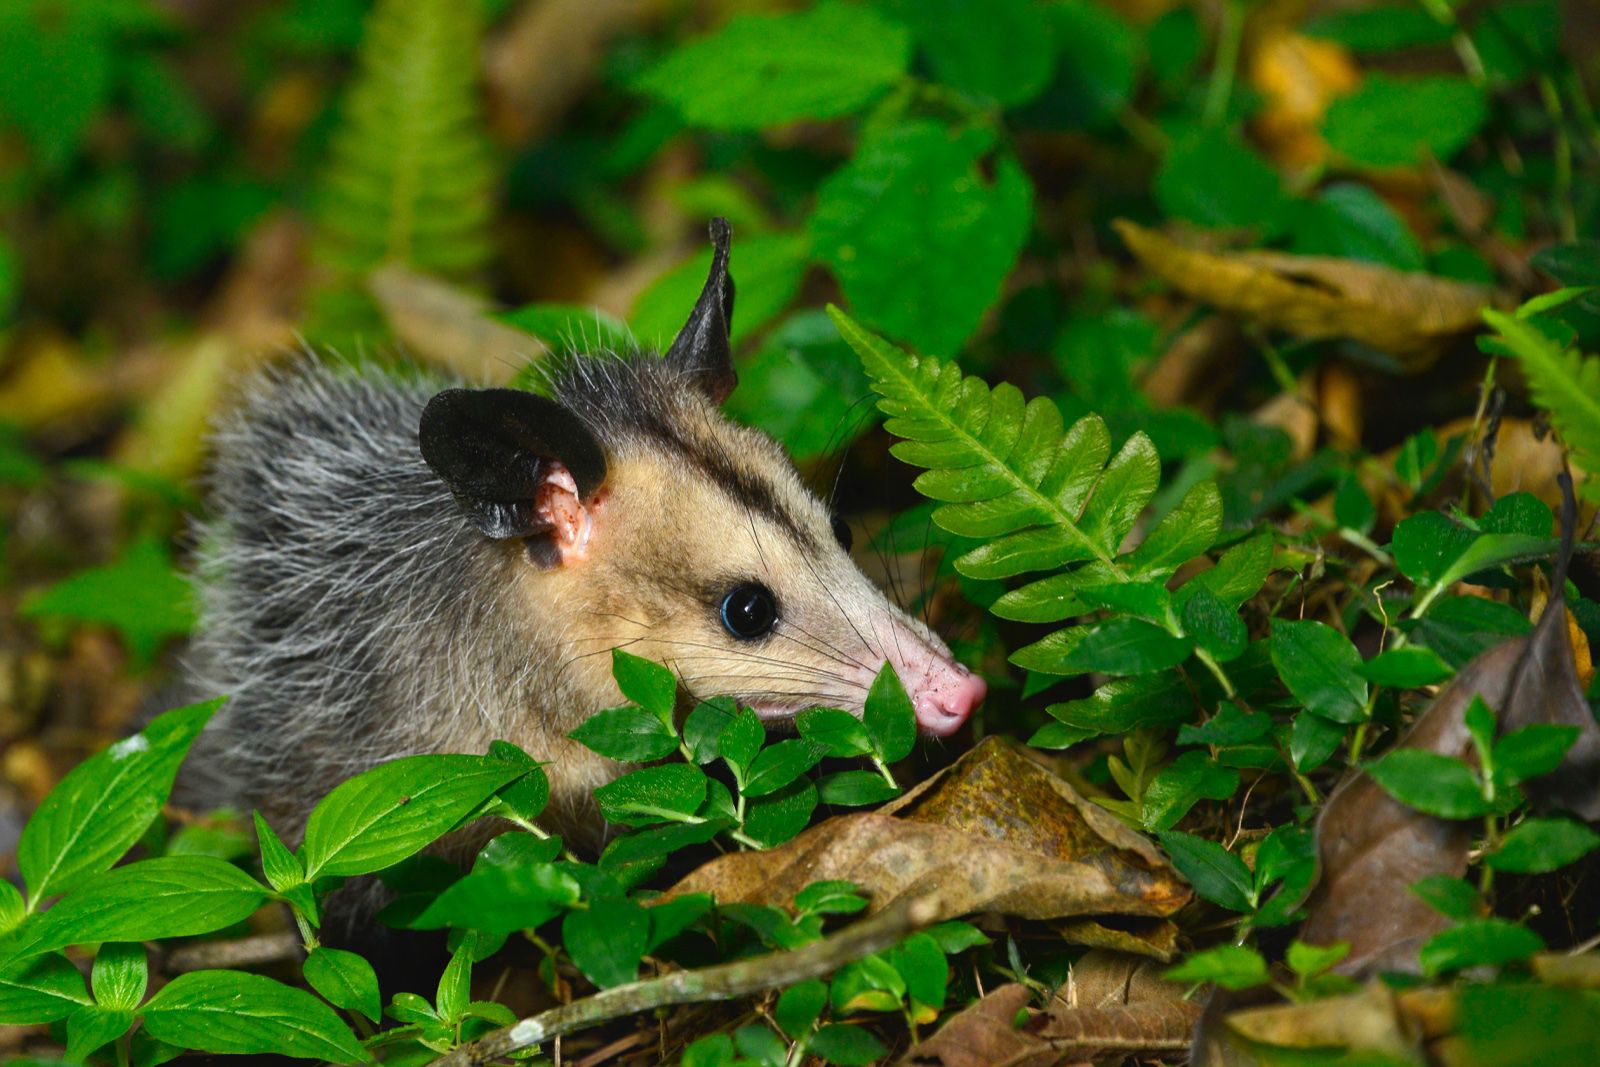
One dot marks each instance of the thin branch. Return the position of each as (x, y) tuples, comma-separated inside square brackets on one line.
[(727, 981)]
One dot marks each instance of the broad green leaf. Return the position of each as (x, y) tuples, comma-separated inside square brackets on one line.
[(140, 595), (145, 901), (607, 939), (1126, 646), (93, 1027), (853, 789), (670, 918), (1478, 943), (1002, 49), (12, 910), (627, 734), (760, 1045), (672, 791), (232, 1012), (1230, 726), (1058, 735), (1097, 70), (1535, 846), (1183, 783), (779, 764), (846, 1045), (1320, 666), (120, 975), (1239, 574), (1215, 627), (777, 817), (1313, 740), (1391, 27), (1229, 966), (1406, 668), (834, 897), (1452, 897), (921, 231), (381, 816), (1519, 513), (1215, 873), (921, 962), (454, 991), (1146, 600), (105, 804), (889, 718), (1126, 486), (1211, 178), (344, 980), (741, 743), (713, 1051), (42, 990), (647, 684), (1430, 782), (1307, 960), (799, 1007), (956, 936), (1127, 703), (1458, 628), (1532, 751), (1391, 121), (841, 733), (835, 59), (280, 866)]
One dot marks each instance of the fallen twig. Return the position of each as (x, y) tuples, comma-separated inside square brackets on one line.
[(724, 982)]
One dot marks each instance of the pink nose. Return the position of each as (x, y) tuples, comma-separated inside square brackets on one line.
[(946, 698)]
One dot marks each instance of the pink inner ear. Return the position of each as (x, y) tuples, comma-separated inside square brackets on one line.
[(570, 521)]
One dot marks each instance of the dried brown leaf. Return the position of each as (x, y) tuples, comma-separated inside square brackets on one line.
[(450, 327), (1157, 939), (1366, 1021), (994, 832), (1408, 315), (983, 1035)]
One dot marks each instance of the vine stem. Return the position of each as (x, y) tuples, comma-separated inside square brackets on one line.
[(726, 981), (1231, 36)]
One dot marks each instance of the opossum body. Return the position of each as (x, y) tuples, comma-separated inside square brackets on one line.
[(394, 566)]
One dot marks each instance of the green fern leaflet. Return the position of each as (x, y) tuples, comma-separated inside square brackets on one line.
[(1565, 383), (1046, 498)]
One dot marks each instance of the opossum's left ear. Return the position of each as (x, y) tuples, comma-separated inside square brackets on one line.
[(499, 450), (702, 347)]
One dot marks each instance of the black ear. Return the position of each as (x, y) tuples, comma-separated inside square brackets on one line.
[(493, 448), (702, 347)]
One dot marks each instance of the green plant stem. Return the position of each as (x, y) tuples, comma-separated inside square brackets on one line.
[(1491, 842), (307, 936), (745, 839), (1217, 672), (727, 981), (1466, 51), (1229, 38), (122, 1050), (884, 770), (1358, 739), (1566, 214)]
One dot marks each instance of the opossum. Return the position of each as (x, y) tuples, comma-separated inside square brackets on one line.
[(398, 564)]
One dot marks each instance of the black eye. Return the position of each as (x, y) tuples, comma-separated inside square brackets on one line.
[(749, 611), (842, 534)]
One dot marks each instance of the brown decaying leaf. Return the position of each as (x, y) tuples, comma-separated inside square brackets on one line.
[(450, 327), (993, 832), (1157, 939), (1373, 1019), (1545, 688), (1371, 847), (1112, 1003), (1408, 315)]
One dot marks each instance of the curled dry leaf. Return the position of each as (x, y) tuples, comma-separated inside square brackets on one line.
[(1374, 1019), (1410, 316), (450, 327), (1157, 938), (1112, 1003), (993, 832)]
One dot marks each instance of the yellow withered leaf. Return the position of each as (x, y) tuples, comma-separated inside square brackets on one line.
[(1408, 315)]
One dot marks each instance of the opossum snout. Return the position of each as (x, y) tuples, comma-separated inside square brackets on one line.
[(943, 694)]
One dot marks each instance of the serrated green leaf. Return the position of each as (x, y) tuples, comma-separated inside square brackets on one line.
[(841, 733), (778, 765), (1215, 627), (1186, 531), (888, 716), (740, 743), (836, 57), (1563, 382), (1535, 846), (670, 792), (1125, 646), (1215, 873), (1430, 782), (647, 684), (1320, 665), (629, 734), (775, 818), (1478, 943), (702, 730)]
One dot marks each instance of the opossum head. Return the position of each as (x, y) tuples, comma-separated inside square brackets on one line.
[(640, 518)]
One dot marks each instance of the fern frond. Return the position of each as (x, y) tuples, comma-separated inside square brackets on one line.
[(410, 174), (1565, 383), (1045, 497)]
